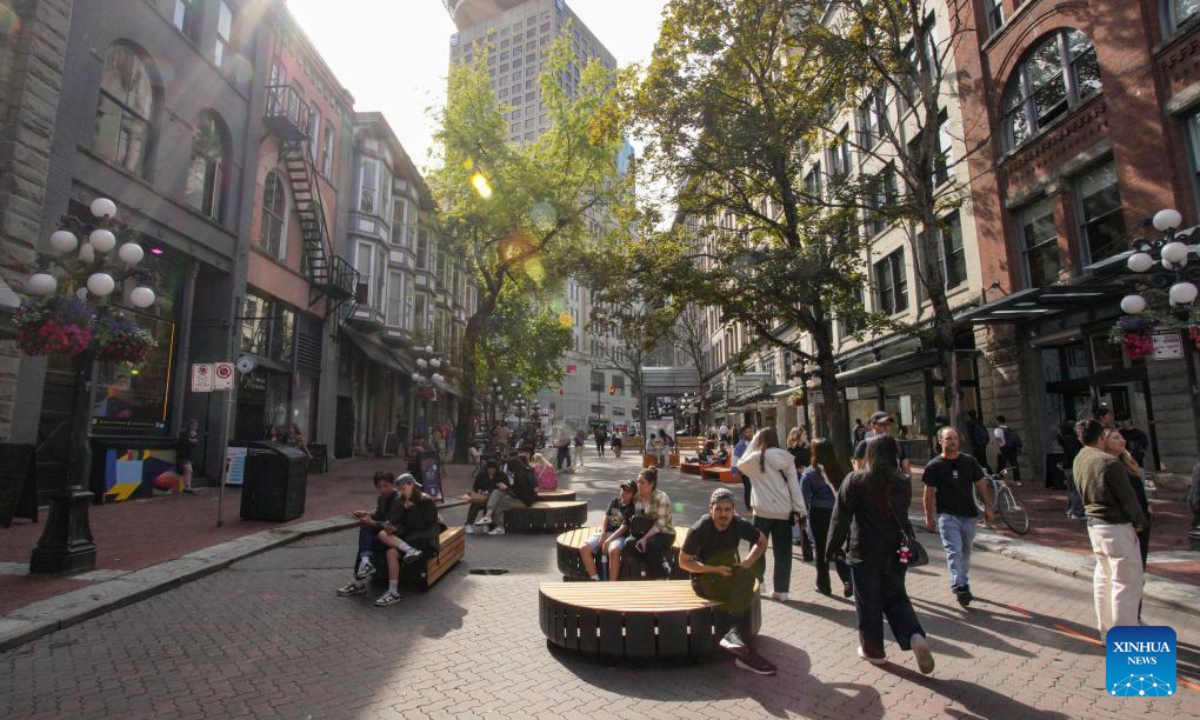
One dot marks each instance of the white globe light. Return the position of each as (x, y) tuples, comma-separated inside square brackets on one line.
[(1140, 262), (64, 241), (87, 253), (103, 208), (142, 297), (1168, 219), (1133, 304), (1174, 253), (101, 284), (1183, 293), (437, 377), (421, 363), (131, 253), (102, 240), (416, 376), (41, 284), (435, 363), (428, 349)]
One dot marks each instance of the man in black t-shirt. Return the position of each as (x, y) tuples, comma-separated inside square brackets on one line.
[(948, 479), (711, 554)]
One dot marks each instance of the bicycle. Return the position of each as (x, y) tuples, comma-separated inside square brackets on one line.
[(1004, 502)]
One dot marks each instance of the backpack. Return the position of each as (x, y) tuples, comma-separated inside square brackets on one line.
[(1011, 438)]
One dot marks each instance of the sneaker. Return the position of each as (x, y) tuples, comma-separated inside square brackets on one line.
[(498, 530), (874, 661), (365, 570), (964, 595), (469, 530), (847, 590), (755, 663), (779, 597), (733, 642), (484, 520), (924, 656), (354, 588), (388, 598), (412, 556), (822, 591)]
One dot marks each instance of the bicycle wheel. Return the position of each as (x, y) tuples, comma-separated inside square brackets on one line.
[(1012, 512)]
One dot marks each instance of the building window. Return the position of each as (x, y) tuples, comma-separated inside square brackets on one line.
[(597, 381), (1102, 226), (943, 158), (812, 182), (205, 183), (186, 18), (327, 152), (870, 120), (839, 155), (1057, 75), (423, 250), (881, 196), (314, 132), (1181, 11), (364, 263), (272, 233), (954, 259), (1039, 243), (224, 33), (421, 314), (891, 281), (368, 189), (995, 15), (125, 111)]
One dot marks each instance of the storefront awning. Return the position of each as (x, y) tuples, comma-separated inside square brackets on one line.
[(888, 367), (670, 380), (763, 392), (445, 387), (1035, 303), (378, 354)]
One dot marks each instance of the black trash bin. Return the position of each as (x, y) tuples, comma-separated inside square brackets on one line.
[(275, 483)]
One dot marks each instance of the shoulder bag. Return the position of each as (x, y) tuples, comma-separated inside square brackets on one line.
[(910, 552)]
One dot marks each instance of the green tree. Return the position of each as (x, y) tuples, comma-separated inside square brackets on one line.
[(726, 107), (518, 214)]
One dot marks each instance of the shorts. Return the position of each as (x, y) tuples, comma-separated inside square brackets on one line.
[(594, 543)]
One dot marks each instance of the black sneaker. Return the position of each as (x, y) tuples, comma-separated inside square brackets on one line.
[(847, 590), (755, 663), (733, 642), (964, 596)]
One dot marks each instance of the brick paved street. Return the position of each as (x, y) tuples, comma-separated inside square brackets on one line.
[(268, 638)]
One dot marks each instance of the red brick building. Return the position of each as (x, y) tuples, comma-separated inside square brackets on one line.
[(1086, 116)]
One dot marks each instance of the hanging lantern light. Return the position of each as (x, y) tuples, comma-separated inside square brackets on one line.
[(41, 284), (1183, 293), (1133, 304), (101, 284), (131, 253), (64, 241), (103, 208), (142, 297), (102, 240)]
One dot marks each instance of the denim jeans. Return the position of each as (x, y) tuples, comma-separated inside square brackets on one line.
[(780, 533), (957, 535), (1074, 502), (368, 542), (880, 593)]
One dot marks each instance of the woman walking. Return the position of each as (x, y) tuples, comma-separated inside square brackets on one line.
[(872, 512), (798, 446), (775, 499), (816, 487)]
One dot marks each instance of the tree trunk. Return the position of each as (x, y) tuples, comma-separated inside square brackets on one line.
[(832, 411), (466, 400)]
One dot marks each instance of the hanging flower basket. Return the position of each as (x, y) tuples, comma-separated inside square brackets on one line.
[(1138, 344), (60, 326), (120, 339)]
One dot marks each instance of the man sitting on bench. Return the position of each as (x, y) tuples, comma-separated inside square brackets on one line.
[(371, 532), (612, 536), (517, 485), (710, 554), (415, 533)]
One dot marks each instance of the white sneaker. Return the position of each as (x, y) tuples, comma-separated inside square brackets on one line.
[(469, 530), (781, 597), (354, 588), (484, 520), (365, 570), (874, 661), (921, 651), (498, 530), (388, 598)]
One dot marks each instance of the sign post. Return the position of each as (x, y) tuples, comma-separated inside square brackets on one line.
[(223, 373)]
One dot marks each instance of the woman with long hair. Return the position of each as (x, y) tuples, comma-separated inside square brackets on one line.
[(546, 477), (651, 527), (775, 500), (819, 493), (871, 511)]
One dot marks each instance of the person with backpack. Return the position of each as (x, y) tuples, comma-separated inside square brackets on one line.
[(516, 486), (1008, 448)]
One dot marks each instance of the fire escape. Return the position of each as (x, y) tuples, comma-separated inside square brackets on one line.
[(330, 276)]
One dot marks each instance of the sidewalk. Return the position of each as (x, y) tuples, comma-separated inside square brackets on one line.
[(1169, 558), (139, 534)]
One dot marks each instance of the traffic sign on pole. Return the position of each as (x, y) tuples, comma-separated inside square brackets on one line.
[(223, 376), (202, 378)]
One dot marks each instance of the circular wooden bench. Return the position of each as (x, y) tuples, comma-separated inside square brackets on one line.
[(546, 516), (635, 619), (570, 562)]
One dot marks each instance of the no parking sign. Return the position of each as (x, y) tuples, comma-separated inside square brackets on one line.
[(223, 376)]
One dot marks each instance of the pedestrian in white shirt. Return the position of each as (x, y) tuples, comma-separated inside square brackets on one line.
[(775, 500)]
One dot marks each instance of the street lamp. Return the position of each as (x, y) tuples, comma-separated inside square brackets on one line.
[(74, 314), (799, 379)]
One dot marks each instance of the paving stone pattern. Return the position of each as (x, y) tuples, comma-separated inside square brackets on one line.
[(268, 638)]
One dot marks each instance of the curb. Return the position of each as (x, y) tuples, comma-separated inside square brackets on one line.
[(1175, 595), (52, 614)]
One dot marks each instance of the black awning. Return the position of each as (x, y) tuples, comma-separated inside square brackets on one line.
[(378, 354), (1036, 303)]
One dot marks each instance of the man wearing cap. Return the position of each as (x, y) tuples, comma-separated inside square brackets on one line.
[(881, 424), (613, 534), (711, 555)]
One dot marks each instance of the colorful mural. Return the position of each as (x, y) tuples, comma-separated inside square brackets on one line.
[(137, 472)]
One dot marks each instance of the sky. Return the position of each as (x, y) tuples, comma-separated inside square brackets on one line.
[(393, 55)]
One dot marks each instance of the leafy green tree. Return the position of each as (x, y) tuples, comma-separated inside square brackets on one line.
[(519, 214)]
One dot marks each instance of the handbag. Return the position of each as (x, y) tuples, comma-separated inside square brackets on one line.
[(910, 552)]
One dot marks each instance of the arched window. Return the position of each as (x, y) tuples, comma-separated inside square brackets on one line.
[(1057, 75), (205, 189), (126, 110), (327, 151), (272, 236)]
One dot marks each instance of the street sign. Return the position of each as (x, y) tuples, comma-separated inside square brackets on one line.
[(1167, 345), (223, 376), (202, 378)]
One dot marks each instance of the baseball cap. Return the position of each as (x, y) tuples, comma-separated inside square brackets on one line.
[(630, 485), (406, 479), (880, 417)]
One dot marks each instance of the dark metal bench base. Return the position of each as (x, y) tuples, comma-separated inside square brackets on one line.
[(546, 516)]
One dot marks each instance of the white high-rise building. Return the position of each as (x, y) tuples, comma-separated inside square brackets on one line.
[(521, 33)]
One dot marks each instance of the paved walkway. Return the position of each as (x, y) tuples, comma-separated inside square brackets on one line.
[(138, 534), (268, 638)]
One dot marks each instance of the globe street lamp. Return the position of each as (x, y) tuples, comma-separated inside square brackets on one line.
[(74, 314)]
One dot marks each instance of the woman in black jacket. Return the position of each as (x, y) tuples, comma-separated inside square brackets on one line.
[(872, 510)]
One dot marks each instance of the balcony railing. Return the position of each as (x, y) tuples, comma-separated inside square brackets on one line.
[(342, 281), (287, 113)]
